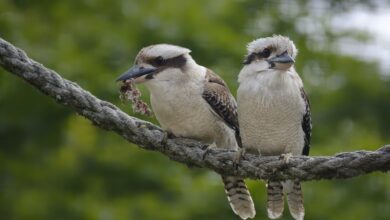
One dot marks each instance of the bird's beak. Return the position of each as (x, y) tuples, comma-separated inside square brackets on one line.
[(281, 62), (135, 73)]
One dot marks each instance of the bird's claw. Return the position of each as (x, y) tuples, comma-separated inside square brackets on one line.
[(167, 135), (286, 157), (206, 152), (238, 157), (208, 149), (165, 138)]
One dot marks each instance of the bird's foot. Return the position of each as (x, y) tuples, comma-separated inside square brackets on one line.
[(238, 157), (286, 157), (258, 152), (167, 135), (208, 149)]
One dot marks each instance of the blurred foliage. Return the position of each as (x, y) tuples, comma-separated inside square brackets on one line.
[(55, 165)]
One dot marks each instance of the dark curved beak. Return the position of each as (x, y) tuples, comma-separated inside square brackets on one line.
[(282, 61), (135, 72)]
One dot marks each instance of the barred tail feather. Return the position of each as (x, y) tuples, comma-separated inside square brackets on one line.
[(295, 199), (239, 197), (275, 200)]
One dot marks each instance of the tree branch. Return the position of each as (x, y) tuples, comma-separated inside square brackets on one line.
[(192, 153)]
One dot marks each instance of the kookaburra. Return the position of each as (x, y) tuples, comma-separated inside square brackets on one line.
[(191, 101), (274, 114)]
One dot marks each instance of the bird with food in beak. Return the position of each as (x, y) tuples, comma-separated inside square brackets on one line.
[(191, 101)]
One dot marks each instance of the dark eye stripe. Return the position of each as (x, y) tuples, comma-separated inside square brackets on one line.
[(265, 53), (249, 58), (176, 62), (261, 55), (158, 61)]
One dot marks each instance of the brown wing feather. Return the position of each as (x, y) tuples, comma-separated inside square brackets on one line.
[(218, 96), (306, 124)]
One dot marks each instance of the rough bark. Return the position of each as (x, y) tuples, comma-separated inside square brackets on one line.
[(192, 153)]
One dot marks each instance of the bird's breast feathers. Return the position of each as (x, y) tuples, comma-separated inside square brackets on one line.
[(182, 110), (270, 114)]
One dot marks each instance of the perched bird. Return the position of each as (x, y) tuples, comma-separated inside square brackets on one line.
[(191, 101), (274, 114)]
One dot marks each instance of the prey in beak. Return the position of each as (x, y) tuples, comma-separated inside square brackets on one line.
[(281, 62), (138, 74)]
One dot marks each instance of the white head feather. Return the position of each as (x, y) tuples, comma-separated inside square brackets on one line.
[(167, 77), (278, 42), (258, 72), (166, 51)]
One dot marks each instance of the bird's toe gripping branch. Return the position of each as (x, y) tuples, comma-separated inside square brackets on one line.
[(286, 158), (238, 157), (167, 135)]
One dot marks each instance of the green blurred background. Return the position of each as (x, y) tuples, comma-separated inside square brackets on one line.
[(55, 164)]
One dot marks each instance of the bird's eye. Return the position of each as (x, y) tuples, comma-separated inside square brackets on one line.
[(265, 53), (159, 61)]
